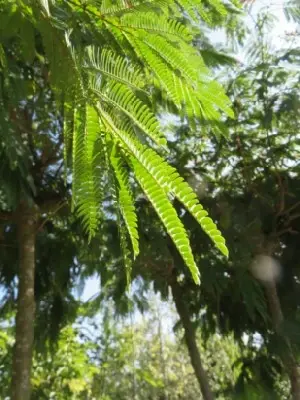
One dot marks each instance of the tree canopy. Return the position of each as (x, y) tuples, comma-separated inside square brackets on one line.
[(116, 136), (108, 65)]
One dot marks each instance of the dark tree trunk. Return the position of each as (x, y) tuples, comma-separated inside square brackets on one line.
[(23, 349), (289, 359), (294, 375), (269, 245), (190, 338)]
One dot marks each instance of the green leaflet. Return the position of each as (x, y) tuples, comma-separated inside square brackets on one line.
[(78, 151), (122, 228), (86, 185), (68, 128), (123, 98), (167, 178), (125, 250), (172, 55), (125, 199), (188, 92), (157, 67), (193, 8), (91, 184), (162, 25), (167, 214), (196, 8), (115, 67), (213, 97), (175, 64), (218, 6), (111, 7)]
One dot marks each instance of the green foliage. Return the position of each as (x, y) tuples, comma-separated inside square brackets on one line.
[(129, 358), (250, 184), (87, 183), (139, 357), (167, 214), (124, 62), (72, 372), (115, 67), (145, 47), (126, 201), (6, 343)]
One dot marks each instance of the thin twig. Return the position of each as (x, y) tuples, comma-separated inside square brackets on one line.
[(51, 215)]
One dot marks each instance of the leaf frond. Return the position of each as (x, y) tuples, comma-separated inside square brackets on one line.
[(149, 22), (168, 179), (121, 223), (120, 96), (109, 7), (115, 67), (168, 216), (87, 184), (173, 55), (125, 199)]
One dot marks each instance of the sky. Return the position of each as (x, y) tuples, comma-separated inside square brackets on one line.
[(281, 28)]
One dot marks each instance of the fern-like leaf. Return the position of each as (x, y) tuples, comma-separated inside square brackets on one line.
[(125, 250), (87, 188), (173, 56), (167, 178), (125, 199), (196, 8), (115, 67), (150, 23), (109, 7), (113, 7), (121, 223), (124, 99), (168, 216), (77, 150), (198, 99), (164, 75), (68, 130), (213, 98)]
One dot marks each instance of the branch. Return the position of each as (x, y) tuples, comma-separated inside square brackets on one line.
[(52, 213), (50, 203), (287, 230), (58, 170), (295, 216), (292, 207), (8, 245), (6, 215)]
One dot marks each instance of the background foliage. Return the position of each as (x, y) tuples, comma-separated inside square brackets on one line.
[(246, 175)]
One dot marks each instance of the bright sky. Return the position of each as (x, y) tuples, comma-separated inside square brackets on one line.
[(282, 28)]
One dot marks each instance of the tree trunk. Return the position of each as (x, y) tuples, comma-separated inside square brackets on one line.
[(294, 375), (190, 338), (23, 349), (277, 319)]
